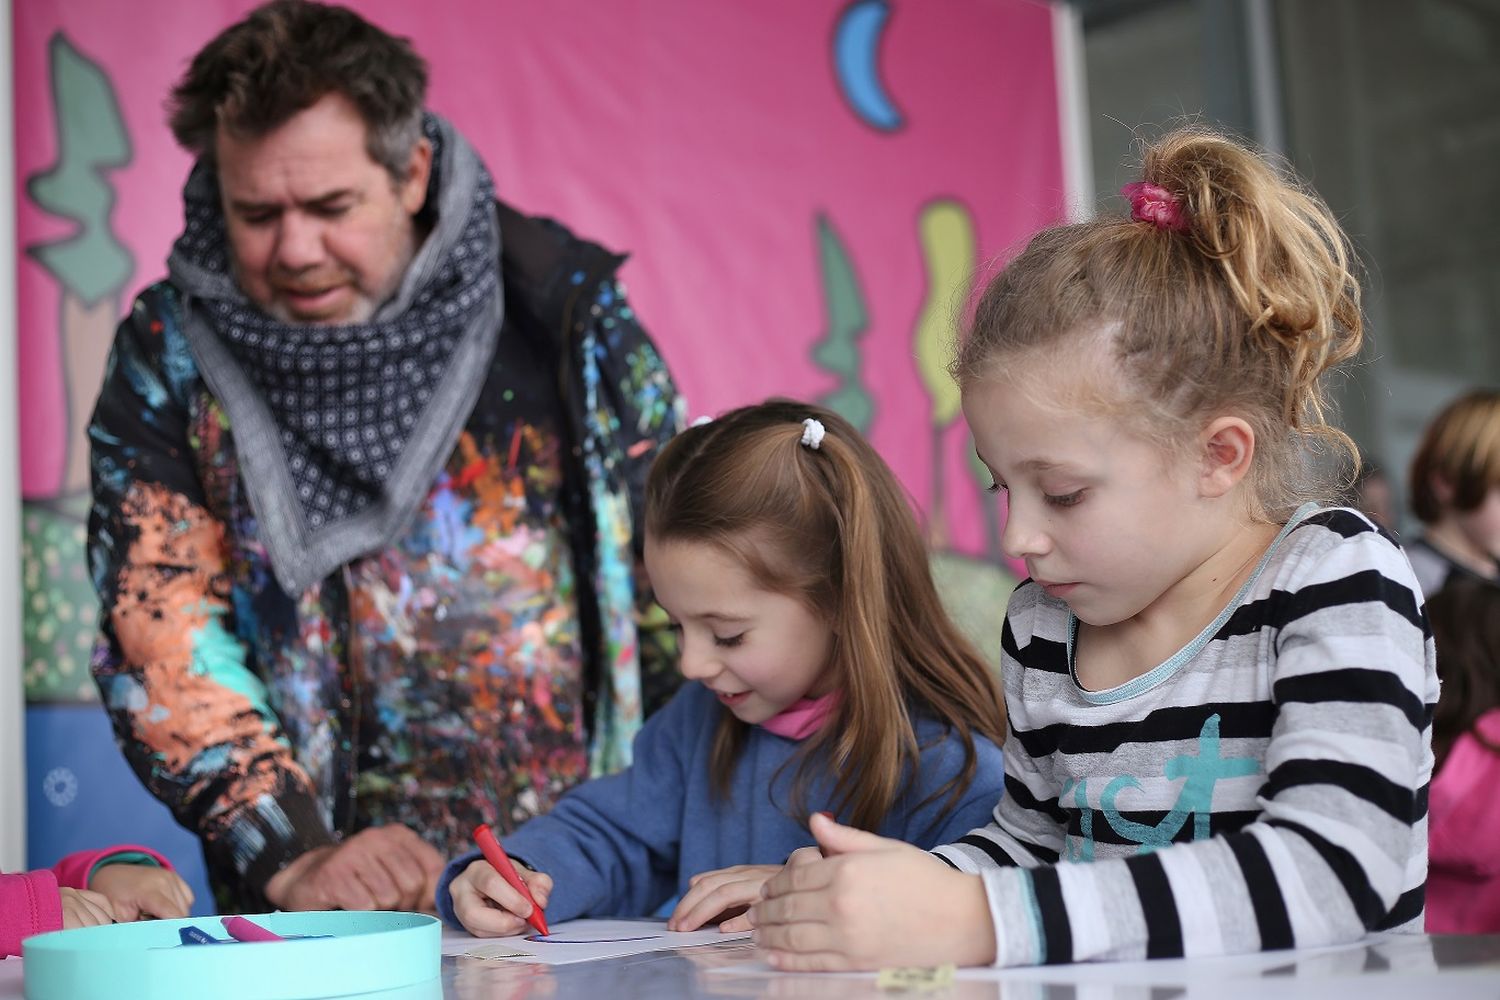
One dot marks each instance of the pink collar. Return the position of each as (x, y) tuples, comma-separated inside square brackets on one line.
[(803, 718)]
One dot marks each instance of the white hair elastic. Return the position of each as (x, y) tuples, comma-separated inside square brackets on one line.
[(812, 432)]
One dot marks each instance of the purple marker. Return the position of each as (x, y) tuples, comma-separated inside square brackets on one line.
[(243, 930)]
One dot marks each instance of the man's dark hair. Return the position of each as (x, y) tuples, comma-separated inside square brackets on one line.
[(283, 58)]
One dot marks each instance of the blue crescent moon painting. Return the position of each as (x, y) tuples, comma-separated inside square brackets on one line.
[(856, 39)]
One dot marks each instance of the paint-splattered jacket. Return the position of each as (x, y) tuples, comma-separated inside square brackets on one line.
[(487, 660)]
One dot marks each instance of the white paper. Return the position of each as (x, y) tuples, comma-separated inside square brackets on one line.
[(583, 941)]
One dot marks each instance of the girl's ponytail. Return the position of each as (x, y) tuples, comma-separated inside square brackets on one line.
[(874, 734), (1282, 257)]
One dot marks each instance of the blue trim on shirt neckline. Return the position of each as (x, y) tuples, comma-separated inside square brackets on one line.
[(1164, 671)]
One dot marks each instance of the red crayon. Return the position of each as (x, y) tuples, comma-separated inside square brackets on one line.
[(500, 861)]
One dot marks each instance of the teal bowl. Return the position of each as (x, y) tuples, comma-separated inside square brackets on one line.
[(352, 953)]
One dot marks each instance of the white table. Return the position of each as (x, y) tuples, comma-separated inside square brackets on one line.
[(1387, 968)]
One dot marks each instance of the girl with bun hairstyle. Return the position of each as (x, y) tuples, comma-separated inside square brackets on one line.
[(1219, 687)]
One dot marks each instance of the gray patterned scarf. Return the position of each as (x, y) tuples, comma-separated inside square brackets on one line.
[(341, 430)]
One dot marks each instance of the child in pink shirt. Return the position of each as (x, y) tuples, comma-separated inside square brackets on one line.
[(1463, 876), (89, 888)]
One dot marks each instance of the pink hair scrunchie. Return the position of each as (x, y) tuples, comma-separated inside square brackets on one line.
[(1155, 204)]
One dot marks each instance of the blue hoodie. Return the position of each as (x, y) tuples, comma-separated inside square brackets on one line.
[(626, 844)]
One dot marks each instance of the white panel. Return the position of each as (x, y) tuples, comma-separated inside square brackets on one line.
[(1072, 109)]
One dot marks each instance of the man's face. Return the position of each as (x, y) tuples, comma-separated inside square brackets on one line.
[(318, 231)]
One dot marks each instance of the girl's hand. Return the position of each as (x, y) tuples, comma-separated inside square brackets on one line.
[(82, 908), (143, 892), (871, 903), (486, 904), (721, 896)]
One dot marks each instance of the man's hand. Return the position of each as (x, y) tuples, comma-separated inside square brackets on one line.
[(382, 868), (721, 896), (871, 903), (142, 892), (82, 908), (489, 906)]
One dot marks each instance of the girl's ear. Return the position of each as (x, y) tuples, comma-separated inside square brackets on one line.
[(1228, 446)]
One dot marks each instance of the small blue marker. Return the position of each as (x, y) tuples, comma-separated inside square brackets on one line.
[(193, 935)]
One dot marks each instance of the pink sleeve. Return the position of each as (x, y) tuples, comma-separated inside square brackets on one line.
[(29, 904), (1463, 807), (74, 870)]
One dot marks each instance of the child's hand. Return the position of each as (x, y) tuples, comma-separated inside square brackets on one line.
[(871, 903), (486, 904), (722, 895), (81, 908), (143, 892)]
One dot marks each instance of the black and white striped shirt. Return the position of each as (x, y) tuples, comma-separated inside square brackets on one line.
[(1264, 788)]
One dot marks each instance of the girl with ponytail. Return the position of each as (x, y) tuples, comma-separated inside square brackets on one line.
[(1220, 686), (824, 675)]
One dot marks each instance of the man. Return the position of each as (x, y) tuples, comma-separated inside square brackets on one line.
[(366, 485)]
